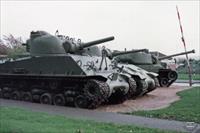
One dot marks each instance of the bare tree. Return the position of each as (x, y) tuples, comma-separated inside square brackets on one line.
[(1, 42), (3, 48), (12, 41), (13, 45)]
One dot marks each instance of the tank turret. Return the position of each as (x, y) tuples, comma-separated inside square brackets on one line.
[(114, 54), (173, 55), (43, 43)]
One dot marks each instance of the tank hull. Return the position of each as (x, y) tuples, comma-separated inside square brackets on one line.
[(55, 80), (145, 81), (165, 76), (60, 80), (53, 85)]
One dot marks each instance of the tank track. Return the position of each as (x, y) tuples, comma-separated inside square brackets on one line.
[(41, 89), (117, 97), (141, 86), (167, 77), (99, 93), (153, 86), (156, 82), (132, 89)]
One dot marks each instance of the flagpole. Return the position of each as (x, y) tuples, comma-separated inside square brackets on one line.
[(183, 40)]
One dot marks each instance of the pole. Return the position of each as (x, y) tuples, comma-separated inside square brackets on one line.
[(183, 40)]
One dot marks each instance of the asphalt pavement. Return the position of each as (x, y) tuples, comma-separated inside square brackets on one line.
[(187, 81), (195, 83), (100, 116)]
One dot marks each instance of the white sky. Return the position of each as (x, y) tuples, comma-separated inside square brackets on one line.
[(153, 25)]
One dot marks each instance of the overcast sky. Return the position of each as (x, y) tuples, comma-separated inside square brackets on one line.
[(153, 25)]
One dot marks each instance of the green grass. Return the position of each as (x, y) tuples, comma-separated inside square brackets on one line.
[(186, 77), (186, 109), (15, 120)]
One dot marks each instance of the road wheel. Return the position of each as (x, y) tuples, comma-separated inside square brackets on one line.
[(172, 75), (164, 82), (81, 102), (27, 96), (46, 98), (6, 92), (1, 93), (15, 95), (59, 100)]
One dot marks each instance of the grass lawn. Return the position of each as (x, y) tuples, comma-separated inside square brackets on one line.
[(186, 109), (185, 76), (15, 120)]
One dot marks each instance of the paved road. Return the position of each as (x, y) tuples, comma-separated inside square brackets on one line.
[(187, 81), (97, 115), (186, 84), (195, 83)]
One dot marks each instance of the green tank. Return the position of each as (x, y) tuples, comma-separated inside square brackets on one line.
[(151, 63), (57, 71)]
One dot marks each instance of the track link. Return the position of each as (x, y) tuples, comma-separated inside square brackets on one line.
[(63, 87)]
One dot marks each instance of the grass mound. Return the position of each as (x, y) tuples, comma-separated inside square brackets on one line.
[(186, 109)]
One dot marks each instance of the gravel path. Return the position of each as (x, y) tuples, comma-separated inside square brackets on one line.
[(157, 99), (97, 115)]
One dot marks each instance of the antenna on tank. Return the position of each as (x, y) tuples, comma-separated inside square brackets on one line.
[(56, 33)]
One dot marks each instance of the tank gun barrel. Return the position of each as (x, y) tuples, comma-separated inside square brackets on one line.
[(88, 44), (182, 53), (127, 52)]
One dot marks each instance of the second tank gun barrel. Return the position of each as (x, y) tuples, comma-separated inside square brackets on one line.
[(128, 52), (182, 53)]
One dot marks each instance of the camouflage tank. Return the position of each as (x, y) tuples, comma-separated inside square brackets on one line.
[(53, 74), (151, 63), (145, 81), (118, 95), (142, 80)]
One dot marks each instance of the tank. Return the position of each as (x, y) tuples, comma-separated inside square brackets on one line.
[(57, 72), (140, 82), (119, 95), (145, 81), (151, 63), (137, 81)]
